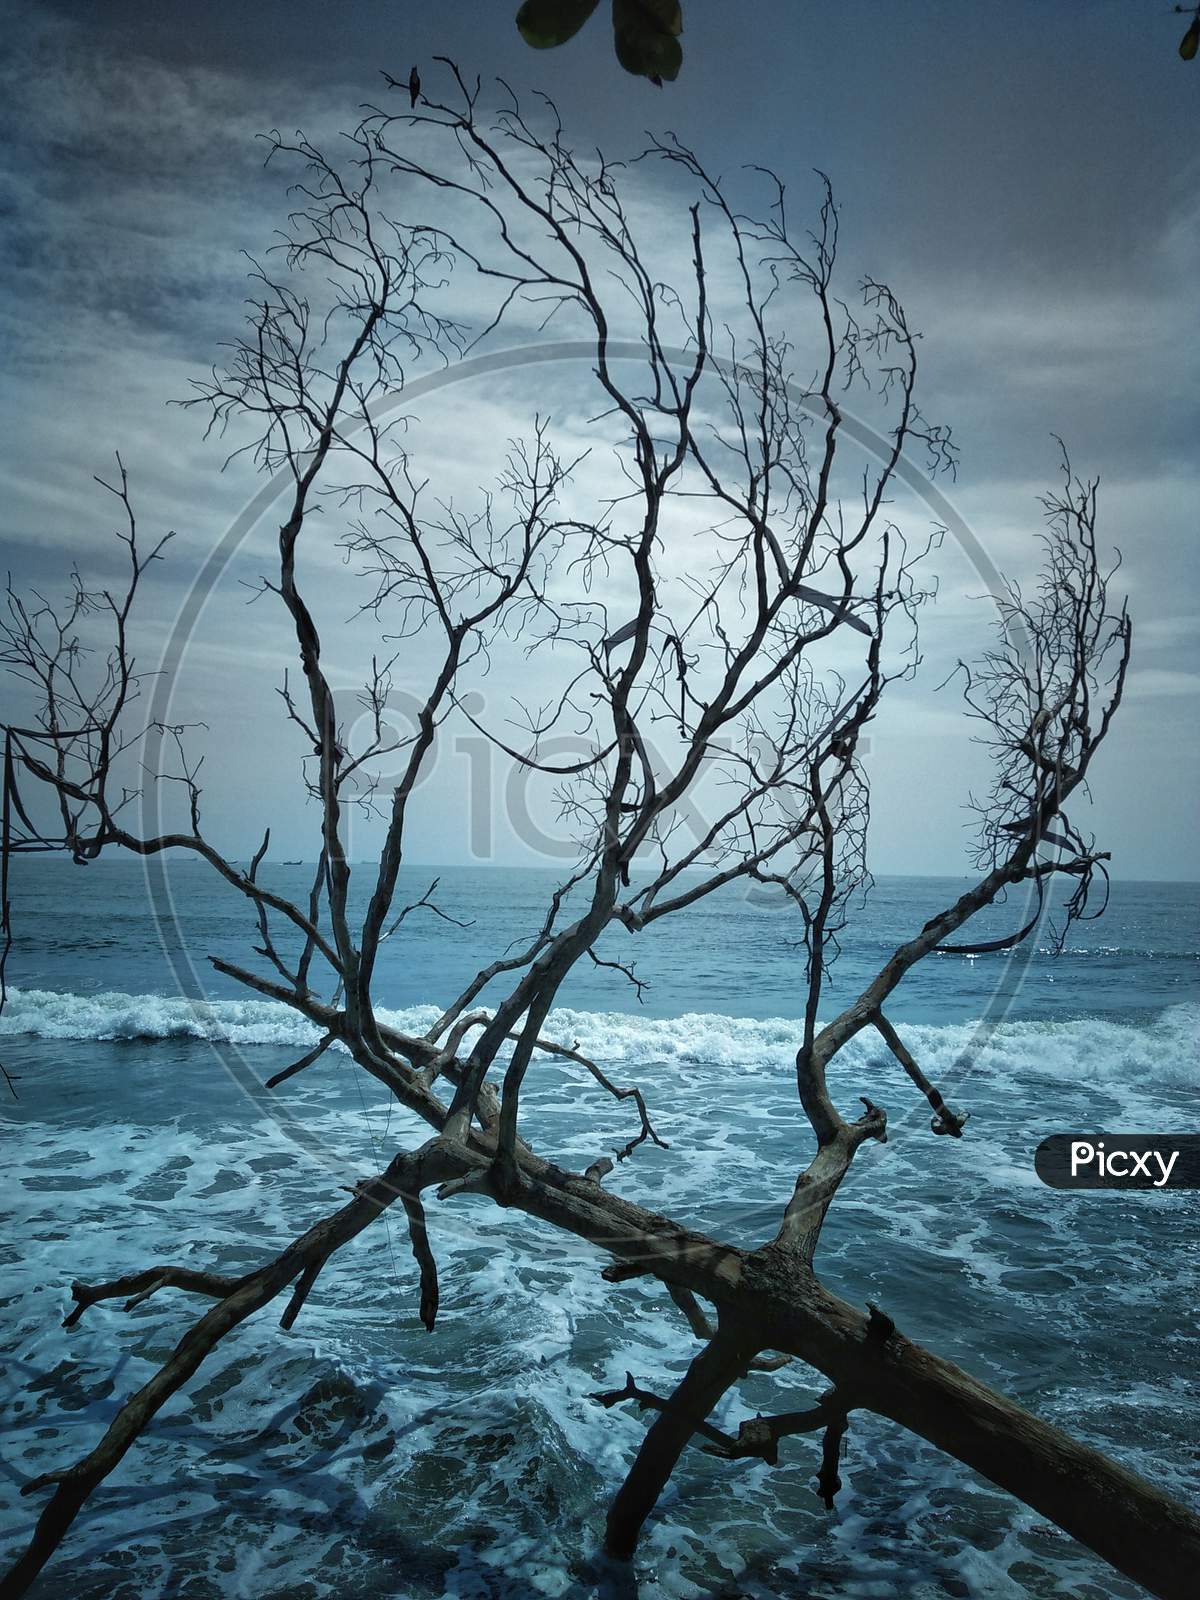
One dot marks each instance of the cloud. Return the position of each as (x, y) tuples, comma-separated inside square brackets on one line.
[(1152, 682), (132, 185)]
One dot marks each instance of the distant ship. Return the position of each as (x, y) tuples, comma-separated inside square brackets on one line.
[(291, 863)]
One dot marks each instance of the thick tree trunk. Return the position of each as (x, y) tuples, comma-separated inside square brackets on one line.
[(770, 1299), (1143, 1532), (767, 1299)]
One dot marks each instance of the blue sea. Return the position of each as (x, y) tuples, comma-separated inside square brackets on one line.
[(359, 1456)]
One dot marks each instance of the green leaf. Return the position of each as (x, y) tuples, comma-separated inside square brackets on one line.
[(546, 23), (645, 37), (667, 13)]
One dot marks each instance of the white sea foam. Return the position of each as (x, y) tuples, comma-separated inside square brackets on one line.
[(1163, 1051), (112, 1015), (358, 1456)]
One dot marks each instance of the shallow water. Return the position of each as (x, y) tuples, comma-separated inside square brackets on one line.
[(359, 1456)]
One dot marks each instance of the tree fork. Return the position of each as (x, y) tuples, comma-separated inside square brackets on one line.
[(1135, 1526), (713, 1372)]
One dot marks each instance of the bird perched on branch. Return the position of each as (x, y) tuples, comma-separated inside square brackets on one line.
[(414, 86)]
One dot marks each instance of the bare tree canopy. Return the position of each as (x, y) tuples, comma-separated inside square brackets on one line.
[(739, 604)]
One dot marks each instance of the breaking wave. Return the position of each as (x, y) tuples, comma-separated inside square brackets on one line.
[(1163, 1049)]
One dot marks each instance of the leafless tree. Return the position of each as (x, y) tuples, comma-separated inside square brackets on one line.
[(737, 666)]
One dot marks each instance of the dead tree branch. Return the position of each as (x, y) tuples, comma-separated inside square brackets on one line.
[(746, 669)]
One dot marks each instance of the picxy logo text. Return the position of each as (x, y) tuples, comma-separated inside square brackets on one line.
[(1119, 1161)]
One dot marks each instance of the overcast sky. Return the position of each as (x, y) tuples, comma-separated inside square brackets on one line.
[(1026, 177)]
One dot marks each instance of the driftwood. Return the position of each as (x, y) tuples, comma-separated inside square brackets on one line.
[(728, 658)]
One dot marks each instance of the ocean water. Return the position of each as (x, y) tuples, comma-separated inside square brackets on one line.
[(359, 1456)]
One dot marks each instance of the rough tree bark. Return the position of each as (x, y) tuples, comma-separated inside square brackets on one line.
[(727, 655)]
